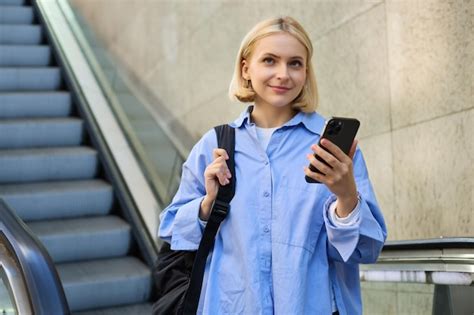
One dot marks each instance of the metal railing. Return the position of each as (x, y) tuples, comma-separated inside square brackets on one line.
[(434, 276), (32, 279), (426, 261)]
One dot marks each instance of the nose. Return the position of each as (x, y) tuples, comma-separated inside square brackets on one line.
[(282, 72)]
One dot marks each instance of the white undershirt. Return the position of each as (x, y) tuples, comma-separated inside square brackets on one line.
[(264, 135)]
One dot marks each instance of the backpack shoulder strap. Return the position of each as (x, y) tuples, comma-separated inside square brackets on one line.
[(225, 140)]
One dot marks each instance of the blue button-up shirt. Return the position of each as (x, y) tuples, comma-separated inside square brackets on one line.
[(277, 252)]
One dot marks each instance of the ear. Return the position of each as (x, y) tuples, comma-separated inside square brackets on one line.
[(245, 70)]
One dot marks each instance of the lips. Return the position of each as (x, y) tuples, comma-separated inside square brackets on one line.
[(279, 89)]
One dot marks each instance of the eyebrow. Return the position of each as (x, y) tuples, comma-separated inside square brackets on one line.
[(275, 56)]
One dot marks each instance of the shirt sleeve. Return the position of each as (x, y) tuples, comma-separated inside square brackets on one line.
[(202, 223), (351, 219), (362, 241), (179, 221)]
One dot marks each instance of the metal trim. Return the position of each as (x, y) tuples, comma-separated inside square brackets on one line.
[(17, 287)]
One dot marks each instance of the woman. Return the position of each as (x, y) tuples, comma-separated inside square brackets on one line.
[(286, 247)]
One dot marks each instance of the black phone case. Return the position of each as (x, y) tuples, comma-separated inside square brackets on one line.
[(340, 131)]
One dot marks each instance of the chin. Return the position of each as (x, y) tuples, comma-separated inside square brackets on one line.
[(281, 103)]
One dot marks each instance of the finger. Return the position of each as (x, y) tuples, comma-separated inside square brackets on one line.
[(334, 149), (353, 149), (326, 156), (218, 160), (220, 152), (223, 180), (217, 171), (320, 166), (316, 176), (221, 163), (224, 174)]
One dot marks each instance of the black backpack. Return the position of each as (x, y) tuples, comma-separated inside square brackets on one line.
[(179, 274)]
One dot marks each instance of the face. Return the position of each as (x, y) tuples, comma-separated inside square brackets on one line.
[(277, 69)]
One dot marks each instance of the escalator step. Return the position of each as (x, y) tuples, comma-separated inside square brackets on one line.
[(30, 79), (12, 2), (56, 200), (10, 14), (136, 309), (84, 238), (24, 56), (40, 132), (47, 164), (35, 104), (20, 34), (105, 283)]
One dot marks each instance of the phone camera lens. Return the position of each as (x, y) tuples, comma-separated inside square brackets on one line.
[(338, 127)]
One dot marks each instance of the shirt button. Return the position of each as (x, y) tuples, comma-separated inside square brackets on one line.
[(266, 162), (266, 229), (266, 194)]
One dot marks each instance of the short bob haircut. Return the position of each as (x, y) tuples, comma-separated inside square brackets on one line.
[(241, 89)]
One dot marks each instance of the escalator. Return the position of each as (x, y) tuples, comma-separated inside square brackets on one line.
[(59, 180), (65, 173)]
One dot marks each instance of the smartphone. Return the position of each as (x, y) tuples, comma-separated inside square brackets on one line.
[(340, 131)]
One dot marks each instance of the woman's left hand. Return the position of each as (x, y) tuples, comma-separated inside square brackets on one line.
[(338, 176)]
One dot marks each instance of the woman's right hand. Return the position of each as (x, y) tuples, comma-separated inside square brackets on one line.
[(216, 173)]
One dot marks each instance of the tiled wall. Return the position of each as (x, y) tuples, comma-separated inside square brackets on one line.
[(404, 68)]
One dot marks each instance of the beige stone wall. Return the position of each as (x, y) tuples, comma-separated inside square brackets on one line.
[(390, 298), (404, 68)]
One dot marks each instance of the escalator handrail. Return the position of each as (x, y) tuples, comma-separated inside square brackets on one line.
[(436, 243), (42, 280)]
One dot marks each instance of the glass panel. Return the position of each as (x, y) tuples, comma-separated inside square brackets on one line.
[(414, 298), (7, 305), (157, 154)]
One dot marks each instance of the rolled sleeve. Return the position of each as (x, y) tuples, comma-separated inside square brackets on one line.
[(203, 224), (351, 219), (343, 237), (187, 228), (362, 241)]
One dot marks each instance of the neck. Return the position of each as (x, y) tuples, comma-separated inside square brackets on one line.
[(270, 116)]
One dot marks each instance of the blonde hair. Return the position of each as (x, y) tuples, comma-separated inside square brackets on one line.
[(308, 99)]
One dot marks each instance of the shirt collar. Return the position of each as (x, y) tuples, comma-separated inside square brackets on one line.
[(312, 121)]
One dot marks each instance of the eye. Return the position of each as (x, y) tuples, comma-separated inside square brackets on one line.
[(268, 61), (296, 63)]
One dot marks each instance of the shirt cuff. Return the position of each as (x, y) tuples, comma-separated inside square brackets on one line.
[(351, 219), (343, 237), (202, 223), (187, 230)]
